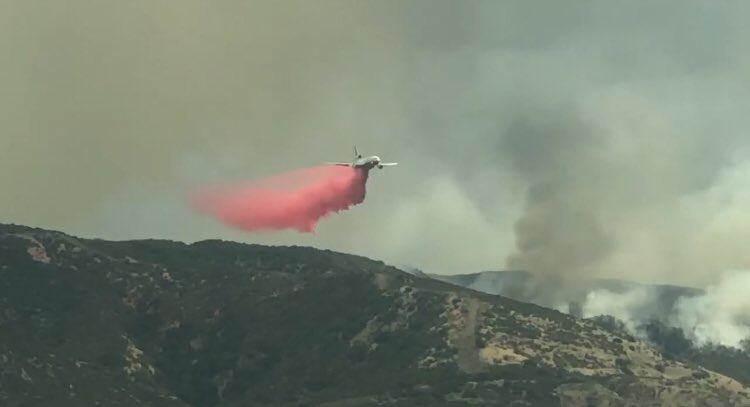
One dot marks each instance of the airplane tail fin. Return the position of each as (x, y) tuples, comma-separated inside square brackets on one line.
[(356, 153)]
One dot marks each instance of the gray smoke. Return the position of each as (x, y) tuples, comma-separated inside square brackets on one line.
[(570, 139), (561, 229)]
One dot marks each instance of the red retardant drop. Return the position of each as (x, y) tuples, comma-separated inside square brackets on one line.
[(292, 200)]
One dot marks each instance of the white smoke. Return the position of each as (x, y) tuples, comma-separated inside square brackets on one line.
[(721, 315), (628, 306)]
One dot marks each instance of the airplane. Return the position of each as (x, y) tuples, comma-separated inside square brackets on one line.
[(366, 163)]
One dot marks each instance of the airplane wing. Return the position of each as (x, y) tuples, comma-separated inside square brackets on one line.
[(340, 164), (388, 164)]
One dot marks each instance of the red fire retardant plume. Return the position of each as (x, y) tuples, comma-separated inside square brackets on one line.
[(292, 200)]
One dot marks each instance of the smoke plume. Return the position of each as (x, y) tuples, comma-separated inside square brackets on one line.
[(584, 139), (561, 230), (721, 315), (293, 200), (633, 307)]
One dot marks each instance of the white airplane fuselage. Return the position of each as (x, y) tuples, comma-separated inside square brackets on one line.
[(366, 163)]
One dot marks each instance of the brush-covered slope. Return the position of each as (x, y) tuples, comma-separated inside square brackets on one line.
[(158, 323)]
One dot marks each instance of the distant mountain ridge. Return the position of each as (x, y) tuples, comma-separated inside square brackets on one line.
[(509, 278), (216, 323), (515, 284)]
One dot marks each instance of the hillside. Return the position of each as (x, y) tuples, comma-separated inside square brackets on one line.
[(159, 323)]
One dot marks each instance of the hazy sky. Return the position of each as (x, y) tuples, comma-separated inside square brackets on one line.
[(587, 137)]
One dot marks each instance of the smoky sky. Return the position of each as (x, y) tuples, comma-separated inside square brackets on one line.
[(588, 138)]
